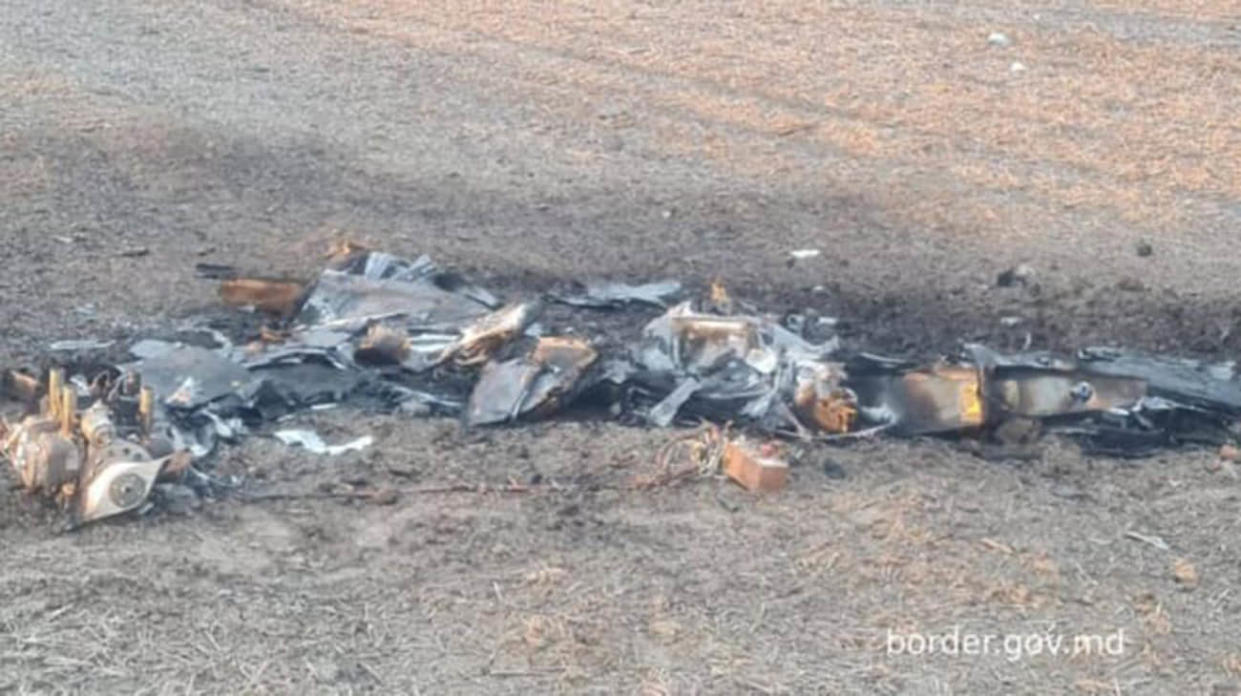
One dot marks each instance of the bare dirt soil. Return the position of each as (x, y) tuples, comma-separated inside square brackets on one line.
[(532, 143)]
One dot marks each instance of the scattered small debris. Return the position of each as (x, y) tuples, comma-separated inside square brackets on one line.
[(803, 254), (999, 40), (705, 448), (997, 546), (1130, 284), (311, 442), (1017, 67), (407, 337), (1185, 574), (1010, 322), (1021, 274), (134, 253), (1145, 249), (1155, 541)]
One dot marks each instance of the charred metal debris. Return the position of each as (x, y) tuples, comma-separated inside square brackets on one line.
[(383, 332)]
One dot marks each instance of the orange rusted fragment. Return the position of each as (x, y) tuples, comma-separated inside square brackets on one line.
[(342, 252), (719, 300), (834, 413), (821, 401), (275, 297), (832, 410), (760, 468), (946, 397), (22, 386)]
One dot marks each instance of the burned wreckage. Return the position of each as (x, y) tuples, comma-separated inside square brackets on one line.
[(403, 335)]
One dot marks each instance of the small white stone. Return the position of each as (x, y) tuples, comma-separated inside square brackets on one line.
[(1017, 67), (998, 38)]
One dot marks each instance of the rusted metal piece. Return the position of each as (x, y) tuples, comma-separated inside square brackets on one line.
[(1045, 394), (532, 385), (280, 298), (718, 299), (350, 302), (483, 339), (704, 341), (697, 343), (941, 398), (68, 412), (45, 462), (760, 468), (820, 400), (563, 362), (146, 410), (1213, 386), (55, 383)]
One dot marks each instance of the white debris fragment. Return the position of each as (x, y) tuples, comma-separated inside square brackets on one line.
[(311, 441), (803, 254), (1010, 322), (999, 39), (1017, 67), (86, 344)]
